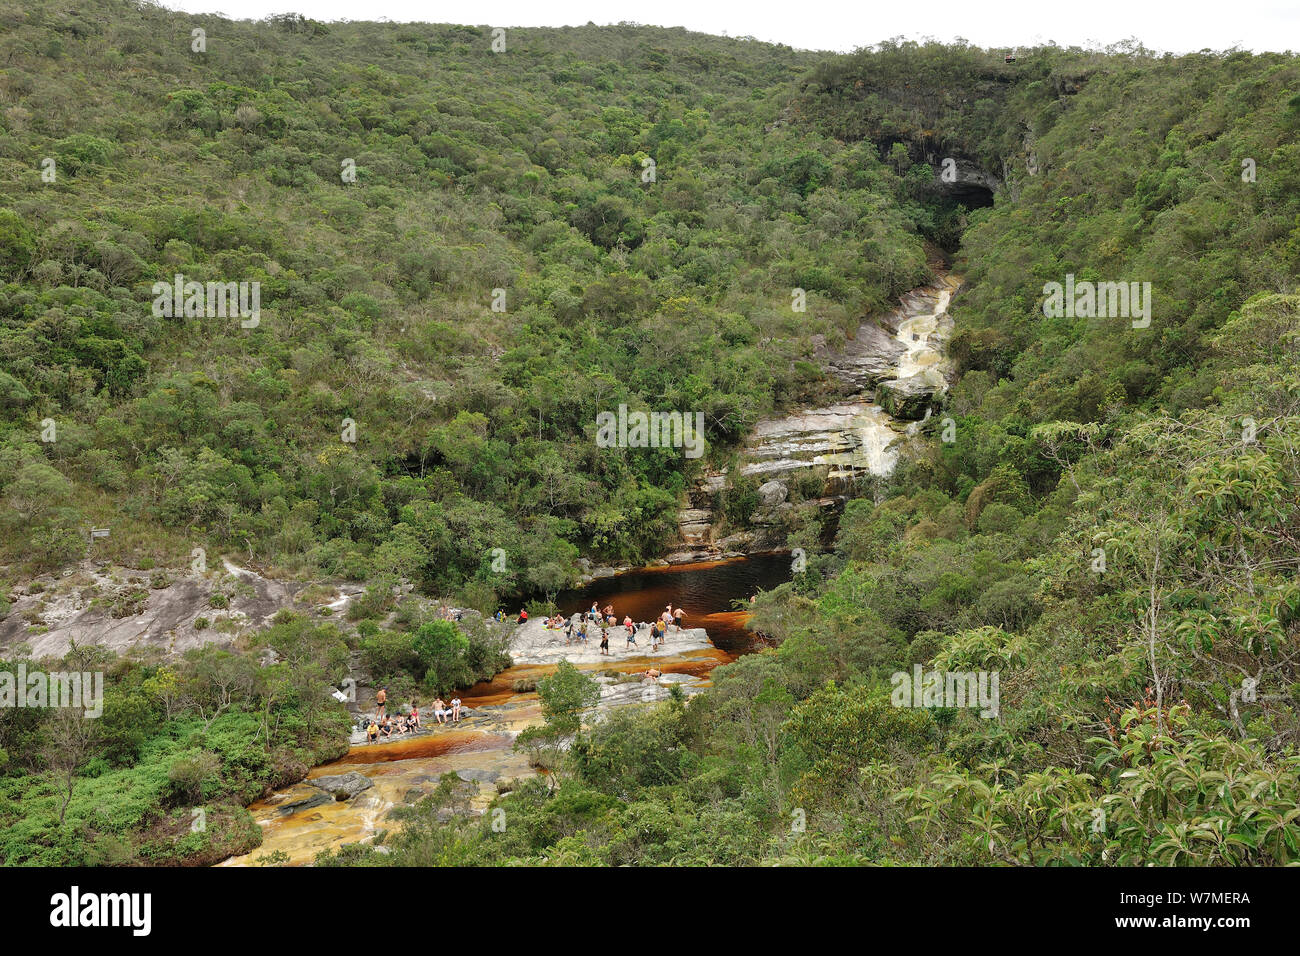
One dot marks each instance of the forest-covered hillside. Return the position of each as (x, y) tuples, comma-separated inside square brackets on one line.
[(475, 171), (1105, 513)]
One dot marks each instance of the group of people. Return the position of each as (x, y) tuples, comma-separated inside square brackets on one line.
[(387, 726), (382, 724), (577, 629)]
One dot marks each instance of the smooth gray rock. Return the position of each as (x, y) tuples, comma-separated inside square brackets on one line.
[(772, 493), (343, 786), (315, 800)]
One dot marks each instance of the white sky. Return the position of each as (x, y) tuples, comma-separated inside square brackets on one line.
[(846, 24)]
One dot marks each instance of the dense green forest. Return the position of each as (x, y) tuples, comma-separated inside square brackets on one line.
[(1112, 526), (475, 171)]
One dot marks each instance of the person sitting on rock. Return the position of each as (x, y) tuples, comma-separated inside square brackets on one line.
[(440, 710), (653, 674), (415, 715), (372, 732), (523, 616), (386, 728)]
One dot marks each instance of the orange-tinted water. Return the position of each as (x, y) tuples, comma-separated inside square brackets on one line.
[(706, 591)]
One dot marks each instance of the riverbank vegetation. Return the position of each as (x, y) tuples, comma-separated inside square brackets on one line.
[(182, 744)]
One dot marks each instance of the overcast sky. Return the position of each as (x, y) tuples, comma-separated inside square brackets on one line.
[(846, 24)]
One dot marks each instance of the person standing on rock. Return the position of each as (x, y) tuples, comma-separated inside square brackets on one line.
[(604, 641), (679, 616), (381, 699), (631, 634), (455, 710)]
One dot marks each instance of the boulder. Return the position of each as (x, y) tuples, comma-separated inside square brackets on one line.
[(343, 786), (315, 800), (907, 398), (772, 493)]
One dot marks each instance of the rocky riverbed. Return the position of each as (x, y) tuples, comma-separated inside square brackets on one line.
[(350, 799)]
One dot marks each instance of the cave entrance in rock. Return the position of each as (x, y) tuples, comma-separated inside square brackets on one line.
[(970, 195)]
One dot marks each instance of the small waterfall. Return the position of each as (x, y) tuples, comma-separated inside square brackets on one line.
[(903, 358)]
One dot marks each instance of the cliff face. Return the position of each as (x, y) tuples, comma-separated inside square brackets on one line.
[(118, 608)]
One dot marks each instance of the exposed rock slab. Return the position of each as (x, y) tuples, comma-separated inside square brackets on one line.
[(119, 608), (870, 356), (343, 786)]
